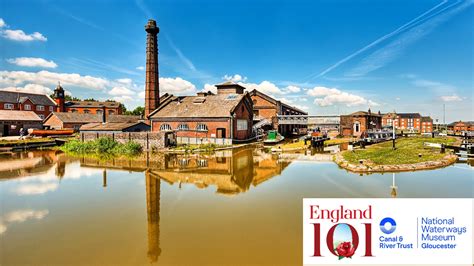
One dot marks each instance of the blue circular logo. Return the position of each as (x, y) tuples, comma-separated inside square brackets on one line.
[(391, 229)]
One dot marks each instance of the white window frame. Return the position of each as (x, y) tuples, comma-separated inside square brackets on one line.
[(201, 127), (242, 125), (165, 127), (51, 108), (27, 107), (40, 108), (9, 106), (183, 127)]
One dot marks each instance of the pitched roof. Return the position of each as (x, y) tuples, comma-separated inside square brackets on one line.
[(220, 105), (363, 113), (409, 115), (15, 97), (15, 115), (92, 118), (110, 126), (274, 101), (92, 104), (426, 119), (76, 117)]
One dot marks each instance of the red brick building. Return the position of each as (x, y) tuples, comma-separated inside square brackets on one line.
[(268, 108), (412, 122), (461, 126), (84, 107), (356, 124), (227, 114), (11, 121), (41, 104)]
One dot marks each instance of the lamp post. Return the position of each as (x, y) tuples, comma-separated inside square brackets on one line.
[(393, 136)]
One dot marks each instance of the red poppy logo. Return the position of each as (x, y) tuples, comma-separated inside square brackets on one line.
[(345, 250)]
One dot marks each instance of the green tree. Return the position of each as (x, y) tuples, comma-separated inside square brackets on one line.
[(140, 110)]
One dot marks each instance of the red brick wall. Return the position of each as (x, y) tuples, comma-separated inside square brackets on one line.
[(93, 110), (21, 107), (212, 127)]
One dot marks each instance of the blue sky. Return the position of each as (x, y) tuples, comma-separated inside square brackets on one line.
[(327, 57)]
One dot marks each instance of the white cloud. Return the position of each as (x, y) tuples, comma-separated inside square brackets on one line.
[(265, 86), (451, 98), (20, 216), (293, 89), (140, 68), (15, 78), (332, 96), (32, 62), (125, 81), (19, 35), (235, 78), (121, 91), (35, 189), (209, 87), (30, 88), (176, 86), (2, 23)]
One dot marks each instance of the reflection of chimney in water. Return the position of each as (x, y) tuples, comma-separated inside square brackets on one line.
[(60, 169), (104, 178), (153, 215)]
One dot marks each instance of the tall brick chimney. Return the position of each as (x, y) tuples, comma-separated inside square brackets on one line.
[(152, 86)]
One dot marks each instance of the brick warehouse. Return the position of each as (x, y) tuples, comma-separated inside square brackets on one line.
[(227, 114), (358, 123), (266, 107)]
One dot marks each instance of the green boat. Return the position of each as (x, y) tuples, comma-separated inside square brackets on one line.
[(273, 137)]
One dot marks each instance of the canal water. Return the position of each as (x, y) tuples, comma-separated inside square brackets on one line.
[(234, 207)]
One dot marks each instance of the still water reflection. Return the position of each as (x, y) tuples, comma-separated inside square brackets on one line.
[(233, 207)]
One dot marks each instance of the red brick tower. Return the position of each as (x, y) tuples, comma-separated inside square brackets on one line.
[(59, 98), (152, 86)]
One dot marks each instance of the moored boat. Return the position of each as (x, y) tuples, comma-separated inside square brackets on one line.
[(273, 137), (51, 132)]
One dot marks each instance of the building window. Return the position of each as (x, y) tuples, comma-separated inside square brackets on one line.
[(410, 123), (165, 127), (111, 112), (86, 111), (9, 106), (201, 127), (242, 124), (51, 108), (41, 116), (356, 127), (40, 108), (27, 107), (99, 111), (183, 127)]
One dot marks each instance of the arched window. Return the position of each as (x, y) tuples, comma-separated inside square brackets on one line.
[(111, 112), (183, 127), (201, 127), (165, 127), (99, 111)]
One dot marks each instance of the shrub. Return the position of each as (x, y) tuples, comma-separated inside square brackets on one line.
[(102, 146)]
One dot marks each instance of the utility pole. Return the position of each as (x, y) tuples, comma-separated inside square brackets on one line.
[(444, 117)]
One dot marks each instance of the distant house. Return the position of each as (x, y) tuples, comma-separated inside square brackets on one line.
[(357, 123), (461, 126), (11, 121), (41, 104), (84, 107), (227, 114), (115, 127), (408, 121), (74, 121)]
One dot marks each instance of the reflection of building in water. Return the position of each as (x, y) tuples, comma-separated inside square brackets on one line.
[(231, 171), (23, 164), (153, 215)]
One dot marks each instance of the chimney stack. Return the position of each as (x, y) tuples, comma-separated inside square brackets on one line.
[(152, 88)]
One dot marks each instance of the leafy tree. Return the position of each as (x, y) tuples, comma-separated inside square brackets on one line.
[(140, 110)]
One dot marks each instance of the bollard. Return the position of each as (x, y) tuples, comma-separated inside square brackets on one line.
[(443, 148)]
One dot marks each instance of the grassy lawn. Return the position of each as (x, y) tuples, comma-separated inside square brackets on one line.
[(406, 153)]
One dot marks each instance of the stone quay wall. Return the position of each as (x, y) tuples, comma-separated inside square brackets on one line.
[(148, 140)]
